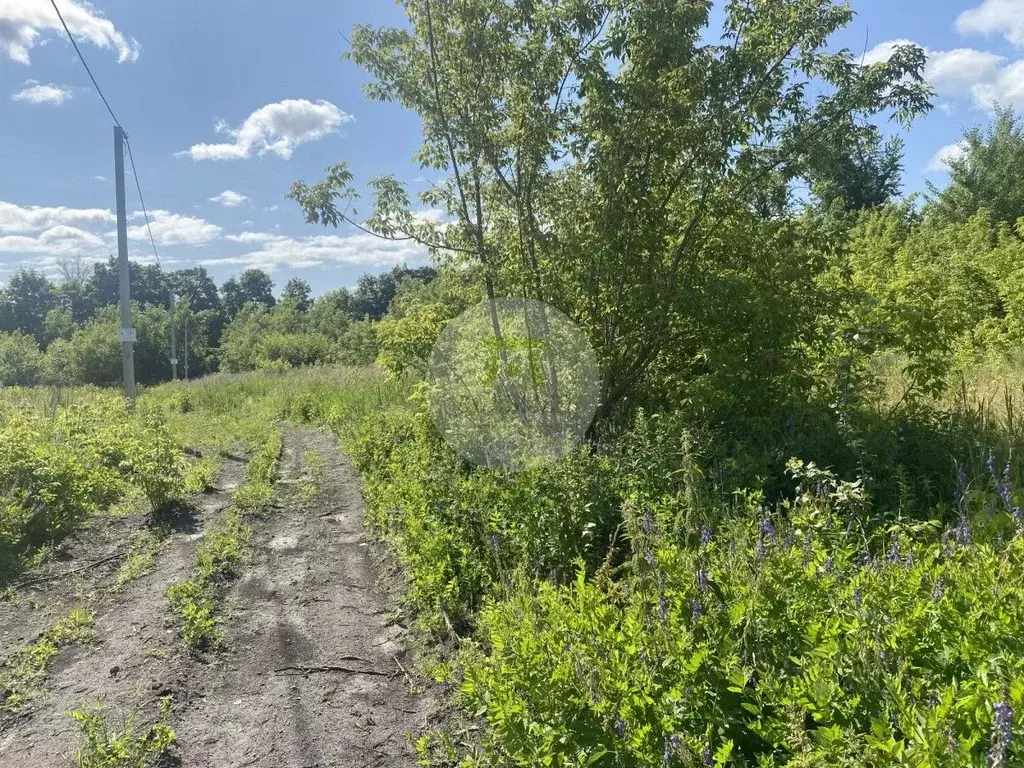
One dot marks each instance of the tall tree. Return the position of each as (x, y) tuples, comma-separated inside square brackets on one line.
[(75, 292), (374, 293), (628, 164), (26, 301), (297, 292), (252, 286), (197, 287), (988, 173), (149, 284)]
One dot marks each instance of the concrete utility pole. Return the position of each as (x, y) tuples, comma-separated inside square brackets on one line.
[(126, 334), (174, 343), (188, 309)]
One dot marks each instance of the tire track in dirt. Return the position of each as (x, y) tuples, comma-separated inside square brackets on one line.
[(137, 657), (306, 598)]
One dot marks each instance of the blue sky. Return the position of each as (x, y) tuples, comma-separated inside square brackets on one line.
[(229, 101)]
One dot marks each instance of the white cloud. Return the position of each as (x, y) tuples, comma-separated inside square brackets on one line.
[(986, 78), (174, 229), (883, 51), (296, 253), (1006, 88), (37, 93), (252, 237), (15, 218), (1005, 17), (272, 208), (958, 71), (58, 240), (22, 22), (229, 199), (99, 178), (277, 128), (939, 162)]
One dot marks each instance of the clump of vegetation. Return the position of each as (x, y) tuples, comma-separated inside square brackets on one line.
[(313, 464), (61, 464), (220, 552), (122, 744), (24, 670), (140, 558)]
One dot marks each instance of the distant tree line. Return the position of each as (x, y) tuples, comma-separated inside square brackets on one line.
[(64, 331)]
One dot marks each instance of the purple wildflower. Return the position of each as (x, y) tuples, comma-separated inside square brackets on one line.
[(702, 579), (647, 522), (705, 537), (649, 557), (673, 746), (619, 726), (696, 610), (663, 607), (705, 755), (938, 589), (1005, 489), (962, 532), (991, 464), (856, 597), (893, 555), (961, 485), (1002, 734), (765, 533)]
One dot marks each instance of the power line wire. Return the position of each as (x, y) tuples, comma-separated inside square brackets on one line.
[(82, 59), (145, 213), (117, 122)]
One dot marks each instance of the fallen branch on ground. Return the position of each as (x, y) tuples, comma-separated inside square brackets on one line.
[(408, 680), (304, 670), (72, 572)]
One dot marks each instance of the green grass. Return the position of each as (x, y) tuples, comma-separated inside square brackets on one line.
[(106, 742), (141, 557), (25, 669), (220, 553), (314, 466)]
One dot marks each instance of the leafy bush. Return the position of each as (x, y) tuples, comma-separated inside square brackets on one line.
[(57, 470), (295, 349), (21, 362), (779, 639)]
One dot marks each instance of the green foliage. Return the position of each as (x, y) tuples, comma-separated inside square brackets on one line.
[(252, 288), (140, 559), (21, 362), (986, 174), (286, 337), (194, 602), (622, 164), (198, 624), (25, 668), (122, 744), (297, 292), (60, 466), (25, 302), (772, 643)]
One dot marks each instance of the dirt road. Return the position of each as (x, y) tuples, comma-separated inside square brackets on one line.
[(315, 673)]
